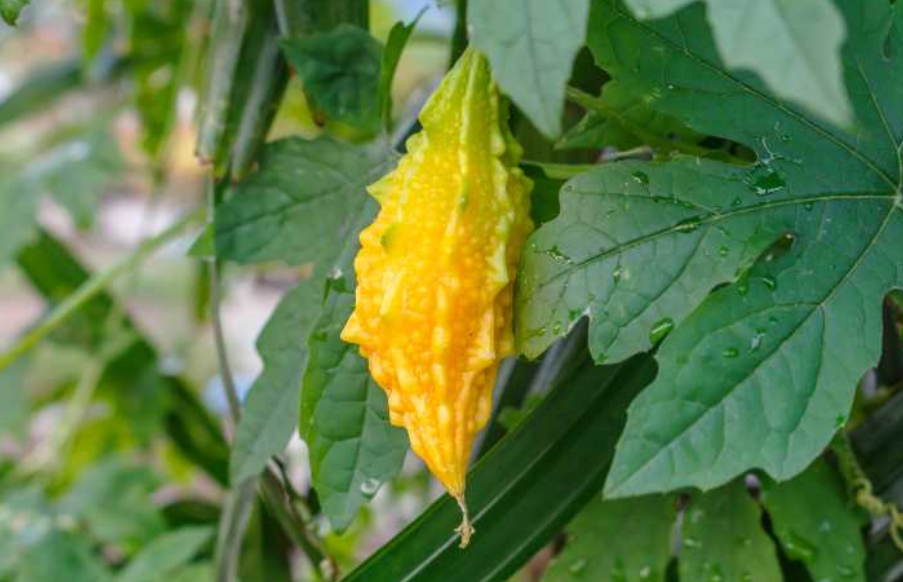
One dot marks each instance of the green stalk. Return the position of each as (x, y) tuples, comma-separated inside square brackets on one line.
[(91, 288)]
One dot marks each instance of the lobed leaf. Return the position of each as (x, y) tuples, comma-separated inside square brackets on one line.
[(800, 246)]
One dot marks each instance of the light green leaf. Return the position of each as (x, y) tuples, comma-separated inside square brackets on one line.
[(794, 45), (166, 554), (800, 246), (344, 414), (61, 556), (531, 45), (271, 410), (340, 70), (817, 525), (10, 9), (300, 205), (17, 221), (723, 538), (114, 499), (617, 541)]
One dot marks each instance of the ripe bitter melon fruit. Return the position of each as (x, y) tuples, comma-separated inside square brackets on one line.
[(435, 272)]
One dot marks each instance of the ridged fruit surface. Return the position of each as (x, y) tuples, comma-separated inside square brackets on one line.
[(436, 269)]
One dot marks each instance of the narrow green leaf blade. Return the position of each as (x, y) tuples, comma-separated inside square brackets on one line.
[(340, 70), (270, 412), (398, 38), (531, 46), (723, 538), (817, 525), (533, 482), (625, 540), (301, 203)]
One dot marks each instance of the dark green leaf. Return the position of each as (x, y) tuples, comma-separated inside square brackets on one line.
[(794, 45), (166, 554), (763, 371), (344, 414), (340, 70), (398, 38), (300, 205), (816, 524), (531, 45), (10, 9), (270, 413), (532, 483), (618, 119), (618, 541), (723, 538)]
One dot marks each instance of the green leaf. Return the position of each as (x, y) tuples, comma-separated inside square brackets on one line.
[(723, 538), (816, 524), (271, 410), (531, 45), (398, 38), (114, 499), (794, 45), (77, 171), (203, 246), (61, 556), (17, 221), (801, 246), (166, 554), (618, 119), (10, 9), (300, 205), (14, 400), (344, 413), (340, 70), (533, 482), (618, 541)]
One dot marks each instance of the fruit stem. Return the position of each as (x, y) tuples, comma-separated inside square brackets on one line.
[(465, 530)]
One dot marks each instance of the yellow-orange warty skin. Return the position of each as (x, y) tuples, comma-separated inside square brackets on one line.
[(436, 269)]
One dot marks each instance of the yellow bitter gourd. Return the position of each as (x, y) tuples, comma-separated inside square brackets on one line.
[(436, 268)]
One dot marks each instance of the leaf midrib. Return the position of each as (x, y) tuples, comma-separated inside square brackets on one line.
[(703, 222)]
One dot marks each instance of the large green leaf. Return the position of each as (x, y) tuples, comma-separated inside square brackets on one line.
[(625, 540), (763, 371), (532, 483), (723, 538), (531, 46), (340, 70), (300, 205), (58, 556), (17, 221), (344, 413), (794, 45), (817, 525), (270, 412)]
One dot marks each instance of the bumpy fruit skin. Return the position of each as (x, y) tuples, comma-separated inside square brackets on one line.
[(436, 269)]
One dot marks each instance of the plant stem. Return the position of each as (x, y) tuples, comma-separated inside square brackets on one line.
[(91, 288)]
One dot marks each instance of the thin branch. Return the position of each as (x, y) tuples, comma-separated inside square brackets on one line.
[(91, 288)]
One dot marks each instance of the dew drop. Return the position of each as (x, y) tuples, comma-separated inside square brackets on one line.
[(660, 329), (369, 487), (770, 282), (723, 251), (577, 566), (730, 352)]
